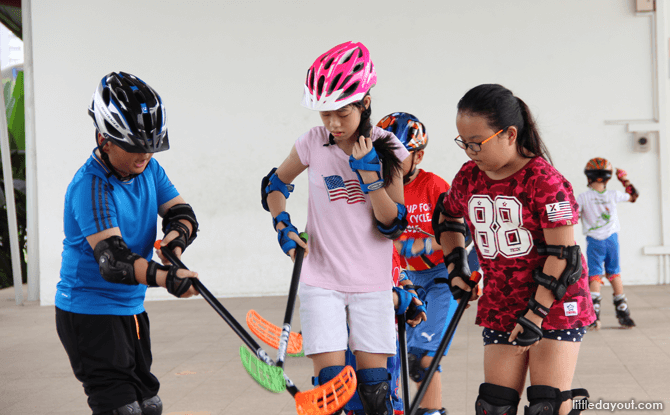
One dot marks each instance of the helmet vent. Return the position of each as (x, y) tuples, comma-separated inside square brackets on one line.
[(139, 96), (319, 86), (349, 91), (111, 130), (358, 67), (106, 96), (310, 77), (330, 62), (334, 83), (121, 95), (347, 57)]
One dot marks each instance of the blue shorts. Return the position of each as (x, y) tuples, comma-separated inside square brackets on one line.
[(500, 337), (599, 252), (440, 308)]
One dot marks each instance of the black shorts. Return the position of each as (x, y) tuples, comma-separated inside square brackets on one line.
[(110, 356)]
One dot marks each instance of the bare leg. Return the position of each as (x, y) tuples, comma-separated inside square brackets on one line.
[(503, 367), (552, 363), (594, 286), (365, 360), (321, 360), (617, 285), (433, 397)]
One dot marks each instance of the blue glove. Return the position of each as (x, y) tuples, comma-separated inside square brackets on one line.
[(285, 242), (406, 305)]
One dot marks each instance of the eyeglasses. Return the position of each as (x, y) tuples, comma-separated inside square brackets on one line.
[(476, 147)]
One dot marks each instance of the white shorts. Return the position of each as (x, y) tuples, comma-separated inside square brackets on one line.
[(324, 315)]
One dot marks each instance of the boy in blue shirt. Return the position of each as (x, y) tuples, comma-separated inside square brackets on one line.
[(111, 207)]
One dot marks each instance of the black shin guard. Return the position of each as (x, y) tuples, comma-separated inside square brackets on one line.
[(152, 406), (547, 400), (374, 389), (496, 400)]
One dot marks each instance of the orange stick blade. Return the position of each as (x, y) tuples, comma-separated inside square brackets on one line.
[(328, 398), (269, 333)]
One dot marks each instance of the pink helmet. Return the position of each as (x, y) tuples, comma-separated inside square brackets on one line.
[(339, 77)]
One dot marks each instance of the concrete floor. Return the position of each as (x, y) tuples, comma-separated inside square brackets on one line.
[(196, 359)]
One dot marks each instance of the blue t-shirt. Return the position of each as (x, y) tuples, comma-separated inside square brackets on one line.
[(96, 201)]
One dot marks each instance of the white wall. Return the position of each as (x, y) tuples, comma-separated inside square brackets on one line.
[(231, 74)]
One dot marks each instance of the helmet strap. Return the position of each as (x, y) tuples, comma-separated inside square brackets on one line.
[(105, 159), (408, 177)]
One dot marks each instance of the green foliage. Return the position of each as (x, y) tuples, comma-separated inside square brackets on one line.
[(14, 100)]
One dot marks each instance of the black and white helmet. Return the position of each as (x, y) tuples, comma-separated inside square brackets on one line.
[(130, 113)]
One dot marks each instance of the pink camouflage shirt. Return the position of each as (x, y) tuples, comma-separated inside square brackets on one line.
[(507, 218)]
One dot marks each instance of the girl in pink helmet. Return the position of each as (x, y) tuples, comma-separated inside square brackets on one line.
[(355, 209)]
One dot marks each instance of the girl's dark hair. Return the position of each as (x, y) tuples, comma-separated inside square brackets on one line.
[(365, 127), (502, 109), (391, 164)]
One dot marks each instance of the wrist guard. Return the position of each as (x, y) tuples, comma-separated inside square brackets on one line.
[(531, 333), (408, 243), (175, 285), (369, 162), (285, 242), (151, 272), (116, 261), (458, 257), (171, 222), (537, 308)]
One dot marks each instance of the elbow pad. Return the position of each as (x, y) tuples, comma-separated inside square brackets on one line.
[(446, 226), (116, 261), (570, 275), (398, 225), (271, 183)]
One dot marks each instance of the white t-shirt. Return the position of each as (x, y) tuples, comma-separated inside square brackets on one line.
[(346, 250), (599, 213)]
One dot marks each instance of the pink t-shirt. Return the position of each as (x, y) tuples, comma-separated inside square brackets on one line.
[(346, 250)]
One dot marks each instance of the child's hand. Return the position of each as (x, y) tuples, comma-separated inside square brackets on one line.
[(621, 175), (419, 317), (361, 147)]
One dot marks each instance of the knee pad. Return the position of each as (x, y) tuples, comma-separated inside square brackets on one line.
[(496, 400), (129, 409), (326, 374), (152, 406), (547, 400), (374, 389), (416, 371)]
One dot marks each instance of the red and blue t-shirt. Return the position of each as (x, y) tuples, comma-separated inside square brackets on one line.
[(421, 195)]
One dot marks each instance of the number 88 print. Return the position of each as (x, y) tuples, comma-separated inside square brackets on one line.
[(498, 226)]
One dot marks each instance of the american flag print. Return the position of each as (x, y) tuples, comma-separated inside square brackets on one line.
[(559, 211), (349, 190)]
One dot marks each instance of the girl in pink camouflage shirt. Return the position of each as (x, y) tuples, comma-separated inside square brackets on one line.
[(521, 211)]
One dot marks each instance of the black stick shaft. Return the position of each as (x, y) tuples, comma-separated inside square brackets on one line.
[(290, 305), (404, 363), (228, 318), (451, 329)]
